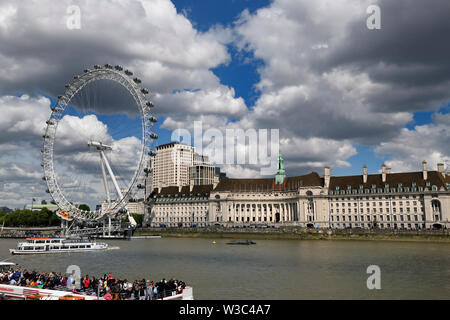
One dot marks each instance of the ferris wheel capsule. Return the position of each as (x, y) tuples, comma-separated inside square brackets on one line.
[(144, 91), (128, 72), (153, 119), (118, 68), (149, 104)]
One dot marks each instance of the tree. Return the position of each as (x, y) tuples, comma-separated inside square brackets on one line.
[(84, 207), (138, 218)]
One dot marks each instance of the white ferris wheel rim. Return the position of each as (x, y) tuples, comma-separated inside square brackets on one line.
[(117, 75)]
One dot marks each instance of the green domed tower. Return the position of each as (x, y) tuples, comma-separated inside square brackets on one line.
[(281, 173)]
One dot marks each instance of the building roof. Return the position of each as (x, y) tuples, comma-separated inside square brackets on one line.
[(202, 190), (171, 144), (268, 184), (393, 179)]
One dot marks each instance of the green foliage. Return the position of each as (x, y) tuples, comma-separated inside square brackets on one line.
[(84, 207), (137, 217), (29, 218)]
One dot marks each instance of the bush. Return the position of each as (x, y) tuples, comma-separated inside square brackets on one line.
[(28, 218)]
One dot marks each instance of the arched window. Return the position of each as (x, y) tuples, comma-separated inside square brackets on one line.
[(437, 212)]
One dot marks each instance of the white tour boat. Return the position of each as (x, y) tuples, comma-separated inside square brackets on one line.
[(57, 245), (16, 292)]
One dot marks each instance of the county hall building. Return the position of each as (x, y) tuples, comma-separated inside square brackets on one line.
[(406, 200)]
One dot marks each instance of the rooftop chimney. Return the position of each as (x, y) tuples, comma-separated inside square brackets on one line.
[(440, 169), (383, 172), (424, 170), (364, 174), (326, 177)]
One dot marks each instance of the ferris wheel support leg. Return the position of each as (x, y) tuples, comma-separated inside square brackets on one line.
[(116, 185), (64, 228), (105, 182), (111, 174)]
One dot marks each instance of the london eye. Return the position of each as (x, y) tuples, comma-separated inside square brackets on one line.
[(98, 145)]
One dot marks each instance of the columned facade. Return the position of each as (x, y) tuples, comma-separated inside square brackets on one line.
[(411, 200)]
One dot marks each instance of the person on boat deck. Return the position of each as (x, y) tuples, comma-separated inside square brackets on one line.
[(108, 296), (86, 282), (64, 282), (70, 280)]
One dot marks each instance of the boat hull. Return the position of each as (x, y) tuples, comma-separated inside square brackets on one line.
[(22, 252), (22, 293), (56, 245)]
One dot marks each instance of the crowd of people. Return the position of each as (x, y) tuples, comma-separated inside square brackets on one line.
[(108, 287)]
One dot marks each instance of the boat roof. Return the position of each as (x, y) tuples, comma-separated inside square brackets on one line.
[(5, 263), (43, 238)]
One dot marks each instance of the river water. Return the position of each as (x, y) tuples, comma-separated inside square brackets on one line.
[(271, 269)]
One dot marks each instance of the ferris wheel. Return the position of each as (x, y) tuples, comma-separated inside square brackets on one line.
[(100, 132)]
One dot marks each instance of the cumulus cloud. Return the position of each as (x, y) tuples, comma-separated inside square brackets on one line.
[(39, 52), (39, 55), (424, 142), (326, 77)]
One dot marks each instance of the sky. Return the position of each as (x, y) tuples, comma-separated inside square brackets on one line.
[(340, 94)]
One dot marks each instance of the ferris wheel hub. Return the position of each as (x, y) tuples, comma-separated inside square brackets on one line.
[(99, 145)]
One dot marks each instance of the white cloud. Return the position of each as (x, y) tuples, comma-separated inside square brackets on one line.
[(425, 142), (159, 45)]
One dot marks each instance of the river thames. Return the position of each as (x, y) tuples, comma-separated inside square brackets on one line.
[(271, 269)]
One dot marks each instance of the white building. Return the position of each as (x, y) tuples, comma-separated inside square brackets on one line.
[(171, 165), (180, 206), (408, 200), (202, 172), (132, 207)]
